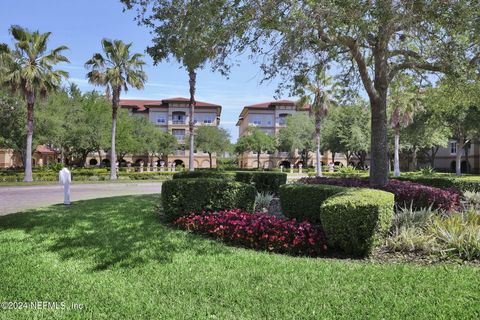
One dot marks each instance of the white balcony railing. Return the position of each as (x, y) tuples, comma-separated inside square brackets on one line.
[(180, 152), (179, 121)]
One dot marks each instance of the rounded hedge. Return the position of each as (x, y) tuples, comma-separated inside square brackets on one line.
[(303, 201), (184, 196), (357, 219)]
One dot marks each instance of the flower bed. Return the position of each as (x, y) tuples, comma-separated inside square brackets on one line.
[(406, 193), (258, 231)]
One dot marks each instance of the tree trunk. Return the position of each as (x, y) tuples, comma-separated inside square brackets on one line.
[(210, 158), (113, 155), (379, 166), (414, 158), (258, 158), (458, 157), (467, 151), (62, 155), (28, 177), (191, 124), (396, 155), (318, 132)]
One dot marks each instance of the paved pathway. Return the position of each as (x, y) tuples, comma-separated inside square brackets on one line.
[(15, 199)]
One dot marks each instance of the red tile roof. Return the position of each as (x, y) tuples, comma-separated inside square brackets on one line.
[(265, 105), (45, 150), (198, 103), (142, 105), (139, 105)]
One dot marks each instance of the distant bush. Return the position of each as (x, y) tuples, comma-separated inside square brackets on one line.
[(263, 181), (258, 231), (204, 174), (182, 196), (356, 220), (406, 193), (461, 184)]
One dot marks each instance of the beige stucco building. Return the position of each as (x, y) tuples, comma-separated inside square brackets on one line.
[(43, 155), (170, 115), (270, 117)]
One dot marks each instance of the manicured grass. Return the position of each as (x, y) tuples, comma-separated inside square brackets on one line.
[(114, 257)]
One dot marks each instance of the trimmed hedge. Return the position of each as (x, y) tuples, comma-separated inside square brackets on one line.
[(183, 196), (406, 193), (263, 181), (204, 174), (356, 220), (87, 176), (303, 201), (462, 184)]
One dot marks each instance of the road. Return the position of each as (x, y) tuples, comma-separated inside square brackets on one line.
[(16, 199)]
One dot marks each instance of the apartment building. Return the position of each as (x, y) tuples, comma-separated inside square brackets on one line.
[(271, 117), (170, 115), (445, 161)]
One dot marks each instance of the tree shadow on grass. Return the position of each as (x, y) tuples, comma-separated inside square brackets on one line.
[(120, 232)]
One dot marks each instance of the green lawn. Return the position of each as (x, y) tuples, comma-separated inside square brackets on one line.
[(115, 258)]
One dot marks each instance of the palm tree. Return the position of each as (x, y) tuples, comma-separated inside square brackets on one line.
[(115, 71), (317, 99), (28, 68), (403, 103)]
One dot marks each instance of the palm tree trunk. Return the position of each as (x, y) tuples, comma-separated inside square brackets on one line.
[(317, 145), (396, 155), (113, 155), (191, 124), (28, 177), (210, 157)]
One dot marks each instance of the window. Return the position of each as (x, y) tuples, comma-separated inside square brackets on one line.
[(161, 119), (178, 118), (282, 119), (179, 134), (453, 147), (208, 119), (257, 120)]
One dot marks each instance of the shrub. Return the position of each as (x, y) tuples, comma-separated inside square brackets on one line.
[(183, 196), (472, 199), (459, 234), (147, 175), (263, 181), (357, 219), (263, 200), (408, 217), (460, 184), (258, 231), (303, 202), (406, 193), (203, 174), (410, 239)]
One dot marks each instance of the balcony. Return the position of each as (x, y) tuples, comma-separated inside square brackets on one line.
[(179, 121), (283, 154)]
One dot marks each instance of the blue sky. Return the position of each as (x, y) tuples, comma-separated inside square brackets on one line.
[(82, 24)]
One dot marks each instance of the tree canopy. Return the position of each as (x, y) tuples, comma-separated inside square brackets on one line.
[(211, 140)]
